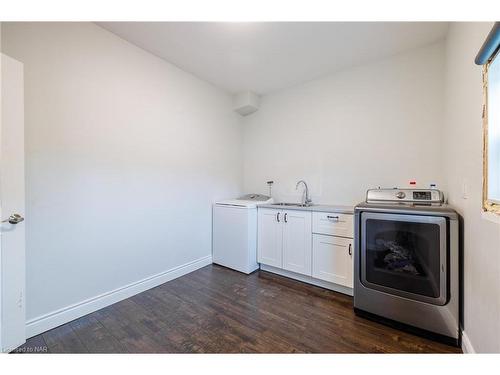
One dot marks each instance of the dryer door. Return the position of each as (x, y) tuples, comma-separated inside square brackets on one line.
[(405, 255)]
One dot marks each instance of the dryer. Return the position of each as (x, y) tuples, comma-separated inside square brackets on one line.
[(407, 261)]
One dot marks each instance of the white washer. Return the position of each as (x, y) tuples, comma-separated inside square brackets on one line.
[(234, 241)]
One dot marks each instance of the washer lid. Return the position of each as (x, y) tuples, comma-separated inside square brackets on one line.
[(247, 201)]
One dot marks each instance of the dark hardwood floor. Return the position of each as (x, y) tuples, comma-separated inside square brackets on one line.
[(217, 310)]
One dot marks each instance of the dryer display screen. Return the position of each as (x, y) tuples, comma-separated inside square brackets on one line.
[(422, 195)]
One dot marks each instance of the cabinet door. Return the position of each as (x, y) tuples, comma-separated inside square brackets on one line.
[(297, 241), (270, 237), (333, 259)]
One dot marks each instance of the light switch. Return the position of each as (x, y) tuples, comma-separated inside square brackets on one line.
[(465, 190)]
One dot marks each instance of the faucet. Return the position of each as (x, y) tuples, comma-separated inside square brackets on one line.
[(306, 200)]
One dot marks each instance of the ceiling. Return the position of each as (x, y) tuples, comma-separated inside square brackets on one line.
[(264, 57)]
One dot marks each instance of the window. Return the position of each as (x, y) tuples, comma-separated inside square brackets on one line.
[(489, 57), (491, 115)]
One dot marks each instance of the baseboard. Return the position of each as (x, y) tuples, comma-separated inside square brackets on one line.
[(308, 279), (467, 347), (75, 311)]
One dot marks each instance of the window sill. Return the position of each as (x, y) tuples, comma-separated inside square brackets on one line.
[(491, 216)]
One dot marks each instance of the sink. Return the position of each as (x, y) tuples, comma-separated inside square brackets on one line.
[(286, 204)]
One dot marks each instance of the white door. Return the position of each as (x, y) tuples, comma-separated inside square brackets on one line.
[(332, 259), (297, 241), (270, 237), (12, 253)]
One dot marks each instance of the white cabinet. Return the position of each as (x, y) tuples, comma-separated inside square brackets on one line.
[(333, 259), (297, 244), (270, 237), (284, 239), (314, 247)]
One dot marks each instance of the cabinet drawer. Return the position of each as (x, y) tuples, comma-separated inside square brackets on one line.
[(333, 224)]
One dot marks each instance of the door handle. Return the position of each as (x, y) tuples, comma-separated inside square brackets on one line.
[(278, 217), (286, 221), (13, 219), (350, 249), (332, 217)]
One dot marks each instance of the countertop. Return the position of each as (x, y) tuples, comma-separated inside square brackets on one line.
[(315, 207)]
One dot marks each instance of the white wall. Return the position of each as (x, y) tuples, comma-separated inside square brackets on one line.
[(1, 344), (124, 155), (378, 124), (463, 165)]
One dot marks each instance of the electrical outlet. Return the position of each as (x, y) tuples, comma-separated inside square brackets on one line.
[(20, 300)]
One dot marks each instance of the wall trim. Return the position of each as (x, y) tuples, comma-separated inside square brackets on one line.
[(467, 347), (491, 216), (66, 314)]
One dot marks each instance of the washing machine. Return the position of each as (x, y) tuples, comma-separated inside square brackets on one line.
[(234, 232)]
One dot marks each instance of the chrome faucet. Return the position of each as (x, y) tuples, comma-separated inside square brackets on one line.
[(306, 201)]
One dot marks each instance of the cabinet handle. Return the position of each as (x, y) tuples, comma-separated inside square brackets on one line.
[(350, 249), (332, 217), (278, 217), (286, 221)]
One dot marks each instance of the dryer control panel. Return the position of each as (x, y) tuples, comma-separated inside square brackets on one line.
[(411, 196)]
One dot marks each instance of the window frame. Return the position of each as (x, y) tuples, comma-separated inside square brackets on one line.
[(488, 204)]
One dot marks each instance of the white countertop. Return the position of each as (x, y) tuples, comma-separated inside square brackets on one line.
[(315, 207)]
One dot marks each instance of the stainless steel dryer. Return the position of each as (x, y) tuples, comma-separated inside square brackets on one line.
[(407, 261)]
